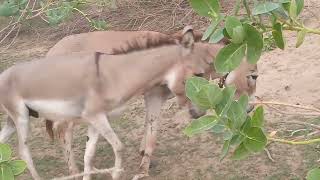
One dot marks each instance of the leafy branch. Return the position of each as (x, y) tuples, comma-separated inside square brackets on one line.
[(250, 35), (9, 168)]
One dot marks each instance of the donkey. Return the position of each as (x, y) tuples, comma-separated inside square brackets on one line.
[(96, 86), (123, 41)]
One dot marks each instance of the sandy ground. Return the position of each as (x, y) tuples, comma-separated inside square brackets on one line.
[(291, 76)]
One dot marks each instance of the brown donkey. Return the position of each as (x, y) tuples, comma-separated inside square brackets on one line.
[(122, 41), (96, 86)]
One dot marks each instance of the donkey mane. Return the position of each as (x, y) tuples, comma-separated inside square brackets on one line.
[(149, 42)]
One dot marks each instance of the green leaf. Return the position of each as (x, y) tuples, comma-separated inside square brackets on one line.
[(257, 118), (300, 6), (193, 87), (9, 8), (293, 9), (246, 125), (314, 174), (236, 140), (284, 1), (243, 101), (218, 128), (6, 172), (204, 7), (254, 43), (225, 33), (202, 124), (60, 13), (216, 36), (17, 166), (227, 135), (235, 29), (300, 37), (238, 35), (264, 7), (229, 57), (211, 29), (255, 140), (278, 35), (237, 114), (241, 152), (5, 152), (99, 24), (209, 96), (225, 149), (227, 98)]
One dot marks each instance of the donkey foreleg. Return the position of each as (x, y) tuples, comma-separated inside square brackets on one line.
[(102, 125), (154, 99), (7, 130), (92, 139)]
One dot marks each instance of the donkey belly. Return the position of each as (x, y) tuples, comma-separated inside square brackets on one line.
[(57, 109)]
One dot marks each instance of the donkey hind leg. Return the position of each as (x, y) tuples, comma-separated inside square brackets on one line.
[(101, 123), (92, 139), (22, 125), (7, 130), (65, 136)]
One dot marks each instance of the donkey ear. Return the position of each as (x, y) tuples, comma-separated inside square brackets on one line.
[(188, 38)]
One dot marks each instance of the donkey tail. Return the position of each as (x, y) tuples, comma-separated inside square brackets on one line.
[(49, 129)]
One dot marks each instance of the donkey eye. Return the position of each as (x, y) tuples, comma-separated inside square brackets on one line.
[(199, 74), (254, 77)]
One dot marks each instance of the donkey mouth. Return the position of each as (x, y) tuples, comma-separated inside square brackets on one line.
[(250, 108), (196, 113)]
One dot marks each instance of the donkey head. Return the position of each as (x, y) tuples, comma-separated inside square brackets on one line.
[(195, 60), (244, 79)]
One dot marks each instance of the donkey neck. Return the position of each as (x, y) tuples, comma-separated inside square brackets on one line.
[(134, 73)]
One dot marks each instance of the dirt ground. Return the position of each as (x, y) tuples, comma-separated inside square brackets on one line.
[(291, 76)]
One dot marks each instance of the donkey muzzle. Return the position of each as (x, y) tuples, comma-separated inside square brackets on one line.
[(195, 112)]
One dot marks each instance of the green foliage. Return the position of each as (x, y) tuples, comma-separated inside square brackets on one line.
[(249, 37), (300, 37), (202, 124), (230, 120), (235, 29), (99, 24), (229, 57), (278, 35), (265, 7), (54, 12), (9, 168), (314, 174), (60, 13), (206, 7), (254, 43)]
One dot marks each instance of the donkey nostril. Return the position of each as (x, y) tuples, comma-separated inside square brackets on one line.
[(254, 77)]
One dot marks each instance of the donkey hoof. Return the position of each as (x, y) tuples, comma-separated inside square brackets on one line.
[(140, 176), (116, 173), (141, 152)]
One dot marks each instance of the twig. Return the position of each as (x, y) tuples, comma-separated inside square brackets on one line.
[(311, 141), (295, 113), (269, 155), (303, 123), (13, 27), (286, 104), (97, 171), (13, 40)]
